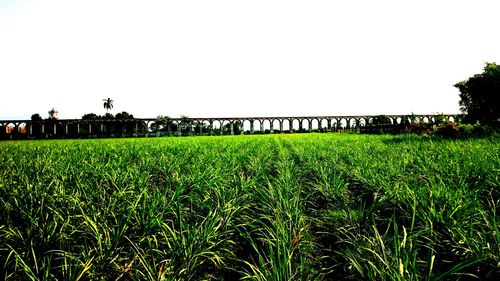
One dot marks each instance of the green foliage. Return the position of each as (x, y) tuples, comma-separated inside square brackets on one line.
[(108, 116), (475, 130), (381, 120), (269, 207), (36, 117), (108, 104), (440, 119), (53, 114), (124, 116), (447, 130), (185, 125), (464, 131), (419, 129), (480, 96), (236, 128), (380, 124), (90, 116), (163, 124)]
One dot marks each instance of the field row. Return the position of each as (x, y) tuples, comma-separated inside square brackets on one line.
[(280, 207)]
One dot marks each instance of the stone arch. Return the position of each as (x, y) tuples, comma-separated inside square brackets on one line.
[(352, 123), (198, 127), (256, 125), (226, 127), (315, 124), (451, 118), (305, 125), (206, 126), (145, 126), (176, 124), (195, 126), (323, 124), (89, 127), (240, 127), (22, 128), (334, 124), (10, 128), (70, 128), (246, 125), (216, 125), (343, 122), (286, 125), (362, 122), (266, 125), (277, 126), (295, 124)]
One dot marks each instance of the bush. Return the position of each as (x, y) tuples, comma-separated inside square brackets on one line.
[(467, 130), (419, 129), (475, 130), (447, 130)]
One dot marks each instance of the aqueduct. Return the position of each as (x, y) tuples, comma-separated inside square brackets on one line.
[(79, 128)]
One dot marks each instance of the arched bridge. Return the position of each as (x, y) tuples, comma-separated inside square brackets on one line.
[(80, 128)]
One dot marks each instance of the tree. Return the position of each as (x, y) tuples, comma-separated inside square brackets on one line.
[(480, 96), (163, 124), (36, 117), (185, 124), (124, 116), (236, 127), (90, 116), (36, 124), (108, 116), (53, 114), (380, 124), (126, 124), (108, 104)]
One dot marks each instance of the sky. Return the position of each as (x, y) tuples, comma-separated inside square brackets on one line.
[(241, 58)]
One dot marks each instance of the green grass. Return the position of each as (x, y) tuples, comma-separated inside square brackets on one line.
[(276, 207)]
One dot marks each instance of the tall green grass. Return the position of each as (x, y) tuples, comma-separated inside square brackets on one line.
[(280, 207)]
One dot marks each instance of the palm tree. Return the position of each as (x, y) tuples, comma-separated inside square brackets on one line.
[(108, 104)]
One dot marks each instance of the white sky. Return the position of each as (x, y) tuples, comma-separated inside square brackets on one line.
[(241, 58)]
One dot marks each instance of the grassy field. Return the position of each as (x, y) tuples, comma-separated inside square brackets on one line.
[(276, 207)]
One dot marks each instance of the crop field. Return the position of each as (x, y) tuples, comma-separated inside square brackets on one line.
[(272, 207)]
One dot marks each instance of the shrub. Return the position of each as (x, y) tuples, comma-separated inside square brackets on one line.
[(447, 130), (466, 130), (419, 129), (475, 130)]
